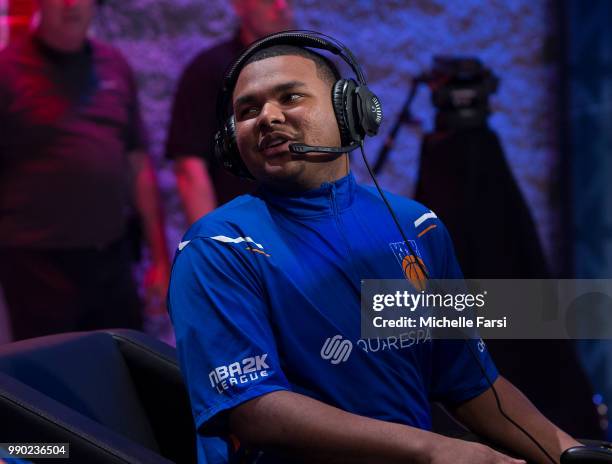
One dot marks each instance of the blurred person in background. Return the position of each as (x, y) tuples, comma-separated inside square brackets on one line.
[(73, 163), (202, 183)]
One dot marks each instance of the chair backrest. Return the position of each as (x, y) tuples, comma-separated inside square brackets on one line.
[(124, 381)]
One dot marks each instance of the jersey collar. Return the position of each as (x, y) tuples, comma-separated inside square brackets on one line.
[(328, 199)]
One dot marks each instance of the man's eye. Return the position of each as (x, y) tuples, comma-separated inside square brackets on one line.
[(292, 97), (249, 112)]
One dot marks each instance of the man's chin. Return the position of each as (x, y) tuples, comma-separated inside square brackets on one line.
[(281, 171)]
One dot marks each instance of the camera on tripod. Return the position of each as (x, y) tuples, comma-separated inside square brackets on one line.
[(460, 90)]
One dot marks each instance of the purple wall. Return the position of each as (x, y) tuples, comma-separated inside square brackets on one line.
[(393, 40)]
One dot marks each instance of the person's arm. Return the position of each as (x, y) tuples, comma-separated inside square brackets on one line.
[(190, 135), (307, 430), (457, 373), (481, 414), (146, 196), (147, 201), (194, 186)]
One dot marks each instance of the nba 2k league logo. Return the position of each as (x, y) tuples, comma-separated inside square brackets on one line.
[(336, 350), (239, 373)]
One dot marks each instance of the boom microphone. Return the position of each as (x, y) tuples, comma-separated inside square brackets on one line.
[(302, 148)]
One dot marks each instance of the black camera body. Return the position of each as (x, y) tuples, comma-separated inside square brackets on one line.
[(460, 88)]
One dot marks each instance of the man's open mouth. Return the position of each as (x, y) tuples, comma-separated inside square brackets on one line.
[(272, 141)]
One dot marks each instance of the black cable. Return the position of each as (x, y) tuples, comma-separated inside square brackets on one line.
[(480, 366), (397, 223), (501, 410)]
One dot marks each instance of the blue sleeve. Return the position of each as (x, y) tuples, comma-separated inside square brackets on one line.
[(458, 364), (225, 343)]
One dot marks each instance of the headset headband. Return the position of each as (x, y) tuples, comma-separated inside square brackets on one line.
[(298, 38)]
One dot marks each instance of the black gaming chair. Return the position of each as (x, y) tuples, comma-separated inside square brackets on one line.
[(115, 396)]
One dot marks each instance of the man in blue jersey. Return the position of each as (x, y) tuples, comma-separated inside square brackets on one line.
[(265, 298)]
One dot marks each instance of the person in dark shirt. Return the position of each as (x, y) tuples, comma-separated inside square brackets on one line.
[(73, 162), (202, 183)]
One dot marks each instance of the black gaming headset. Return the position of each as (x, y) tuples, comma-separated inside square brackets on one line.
[(358, 110)]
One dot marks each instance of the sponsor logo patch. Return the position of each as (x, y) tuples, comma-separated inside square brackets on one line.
[(239, 373), (336, 350)]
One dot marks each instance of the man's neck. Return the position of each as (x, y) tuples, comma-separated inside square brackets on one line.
[(336, 170)]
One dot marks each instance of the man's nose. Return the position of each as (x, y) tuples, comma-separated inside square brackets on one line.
[(270, 114)]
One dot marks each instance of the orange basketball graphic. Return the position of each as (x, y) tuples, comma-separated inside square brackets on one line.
[(413, 272)]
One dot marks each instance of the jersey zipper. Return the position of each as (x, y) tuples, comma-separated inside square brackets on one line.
[(339, 225)]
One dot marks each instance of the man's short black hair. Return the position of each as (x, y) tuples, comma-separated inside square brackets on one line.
[(326, 69)]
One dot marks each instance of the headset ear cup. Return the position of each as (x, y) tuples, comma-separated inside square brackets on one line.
[(342, 101), (226, 150), (369, 111), (232, 145)]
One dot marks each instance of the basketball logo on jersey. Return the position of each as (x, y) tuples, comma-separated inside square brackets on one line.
[(412, 269)]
